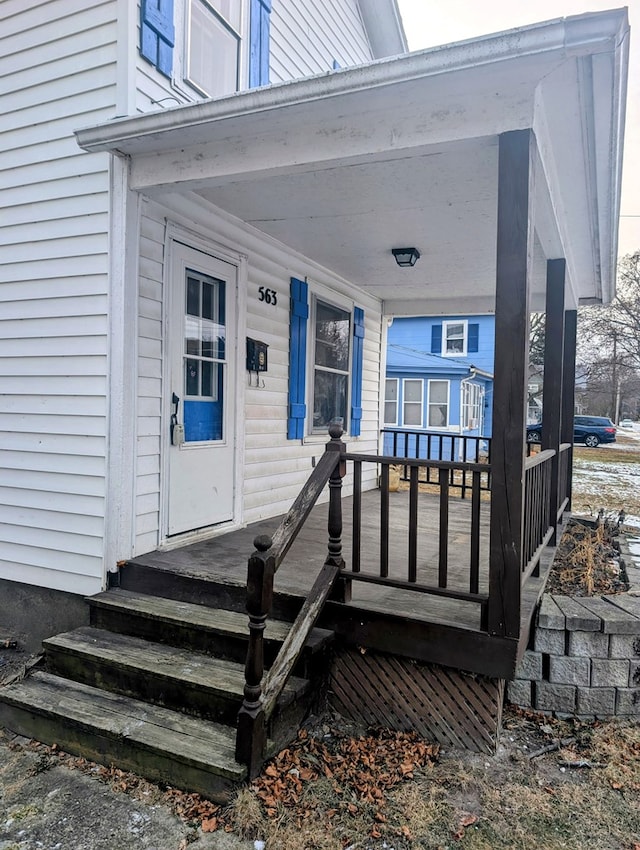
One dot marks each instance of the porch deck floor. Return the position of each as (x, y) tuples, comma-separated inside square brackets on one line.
[(224, 558)]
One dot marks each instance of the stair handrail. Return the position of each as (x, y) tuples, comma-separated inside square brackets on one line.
[(260, 698)]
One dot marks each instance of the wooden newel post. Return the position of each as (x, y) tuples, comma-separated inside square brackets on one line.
[(251, 735), (342, 587)]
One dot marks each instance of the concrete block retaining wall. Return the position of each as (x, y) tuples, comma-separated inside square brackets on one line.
[(585, 660)]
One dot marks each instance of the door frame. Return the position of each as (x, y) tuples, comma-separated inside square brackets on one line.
[(176, 233)]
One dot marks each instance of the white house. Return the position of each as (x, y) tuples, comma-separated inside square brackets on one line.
[(93, 287), (197, 267)]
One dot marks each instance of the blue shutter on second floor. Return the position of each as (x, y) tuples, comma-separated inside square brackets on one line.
[(297, 358), (356, 370), (259, 43), (436, 339), (473, 333), (157, 35)]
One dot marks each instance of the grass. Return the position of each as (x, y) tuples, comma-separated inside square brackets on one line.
[(470, 801)]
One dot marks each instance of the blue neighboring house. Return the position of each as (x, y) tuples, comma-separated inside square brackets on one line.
[(439, 379)]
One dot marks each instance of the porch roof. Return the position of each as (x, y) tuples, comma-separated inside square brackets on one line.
[(344, 166)]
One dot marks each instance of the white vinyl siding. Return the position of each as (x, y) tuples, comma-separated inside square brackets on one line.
[(274, 468), (307, 36), (57, 73)]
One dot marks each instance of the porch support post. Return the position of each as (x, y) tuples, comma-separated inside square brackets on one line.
[(552, 385), (569, 389), (514, 248)]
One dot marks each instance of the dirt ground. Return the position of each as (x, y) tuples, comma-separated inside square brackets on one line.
[(552, 784)]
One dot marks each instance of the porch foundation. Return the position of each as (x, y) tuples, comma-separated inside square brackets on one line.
[(30, 614), (456, 709), (585, 659)]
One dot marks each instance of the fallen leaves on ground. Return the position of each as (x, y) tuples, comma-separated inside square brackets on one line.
[(360, 771)]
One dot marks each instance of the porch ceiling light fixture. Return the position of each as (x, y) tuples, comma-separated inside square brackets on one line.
[(406, 257)]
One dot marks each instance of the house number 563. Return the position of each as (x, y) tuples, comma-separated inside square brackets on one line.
[(269, 296)]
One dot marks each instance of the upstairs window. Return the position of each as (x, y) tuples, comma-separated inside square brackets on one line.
[(213, 46), (454, 338)]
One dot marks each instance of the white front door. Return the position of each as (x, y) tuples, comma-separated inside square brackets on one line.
[(200, 393)]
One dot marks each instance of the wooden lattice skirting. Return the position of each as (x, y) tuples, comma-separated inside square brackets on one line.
[(454, 708)]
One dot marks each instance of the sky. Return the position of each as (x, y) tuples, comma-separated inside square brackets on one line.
[(428, 23)]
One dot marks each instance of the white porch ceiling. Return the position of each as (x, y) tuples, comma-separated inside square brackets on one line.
[(343, 167)]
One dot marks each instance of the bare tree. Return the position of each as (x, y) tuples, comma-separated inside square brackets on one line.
[(611, 335)]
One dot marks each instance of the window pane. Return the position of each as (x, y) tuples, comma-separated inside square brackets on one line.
[(193, 296), (455, 331), (390, 412), (207, 300), (413, 415), (192, 382), (413, 391), (332, 337), (438, 391), (191, 336), (329, 398), (437, 415), (391, 389), (213, 52)]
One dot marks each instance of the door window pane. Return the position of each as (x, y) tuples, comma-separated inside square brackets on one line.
[(204, 357)]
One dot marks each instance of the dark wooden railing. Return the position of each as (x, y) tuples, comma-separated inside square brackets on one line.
[(438, 446), (261, 692), (439, 585), (538, 524)]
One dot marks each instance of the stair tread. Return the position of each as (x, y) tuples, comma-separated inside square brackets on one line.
[(198, 743), (216, 620), (161, 660)]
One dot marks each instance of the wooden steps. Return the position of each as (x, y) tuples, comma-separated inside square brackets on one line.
[(154, 685), (160, 744)]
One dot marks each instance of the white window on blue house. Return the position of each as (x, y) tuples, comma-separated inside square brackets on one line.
[(391, 401), (438, 404), (471, 405), (412, 402), (454, 338)]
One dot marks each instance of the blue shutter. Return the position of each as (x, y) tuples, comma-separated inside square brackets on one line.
[(157, 36), (356, 371), (297, 358), (472, 338), (259, 43), (436, 339)]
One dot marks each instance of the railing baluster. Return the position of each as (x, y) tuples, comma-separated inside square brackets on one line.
[(357, 516), (443, 554), (413, 525), (384, 520), (474, 566), (251, 734)]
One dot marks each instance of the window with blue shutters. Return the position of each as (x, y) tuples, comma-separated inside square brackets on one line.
[(157, 34), (259, 43), (334, 339), (455, 338)]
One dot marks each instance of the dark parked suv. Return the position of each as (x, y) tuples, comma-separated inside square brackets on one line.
[(590, 430)]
